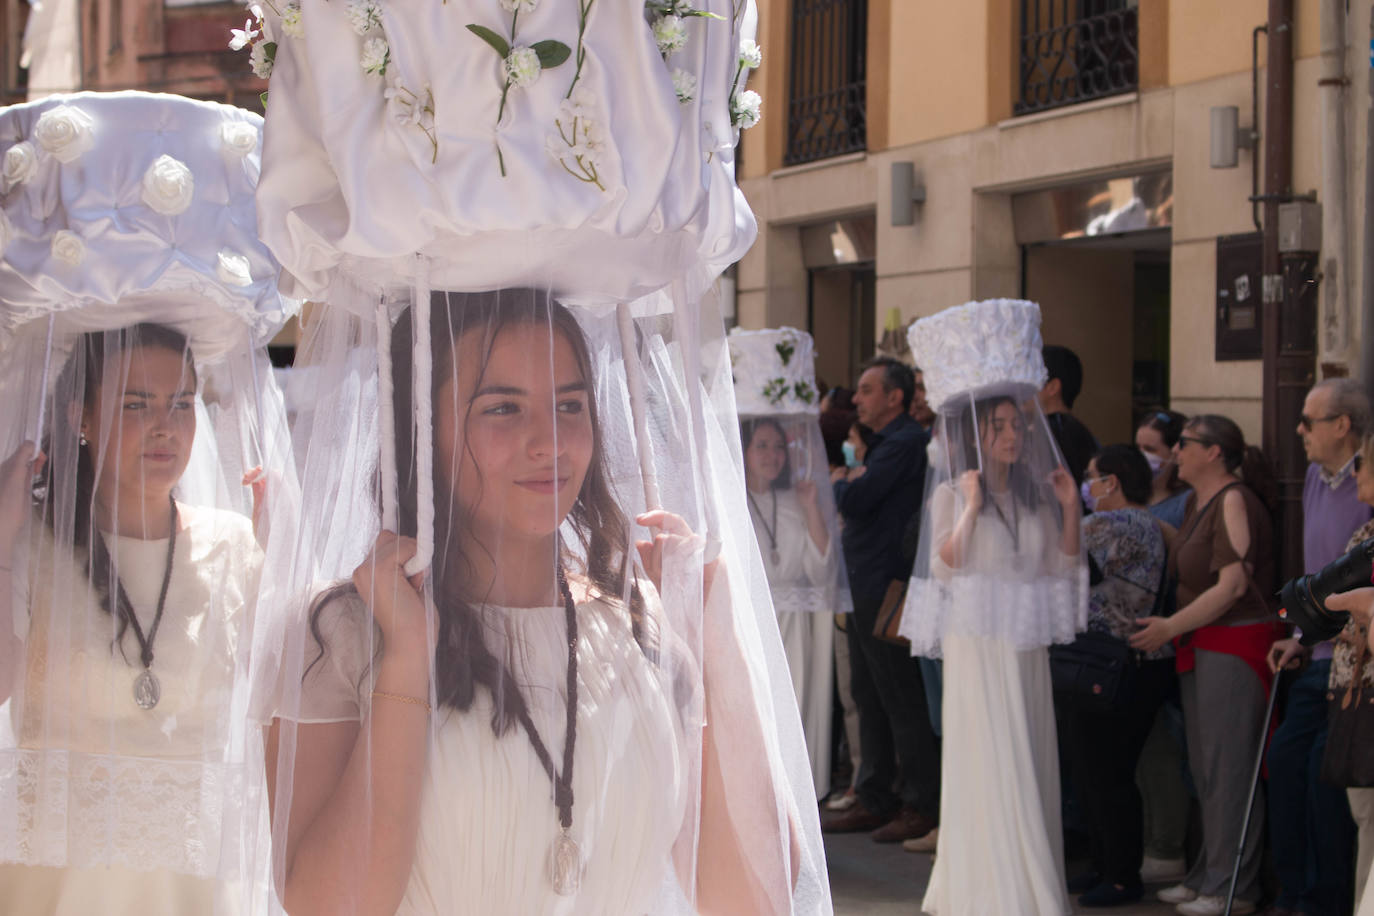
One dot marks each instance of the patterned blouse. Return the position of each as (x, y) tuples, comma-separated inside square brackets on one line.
[(1128, 547), (1352, 643)]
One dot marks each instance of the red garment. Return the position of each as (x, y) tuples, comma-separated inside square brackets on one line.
[(1250, 643)]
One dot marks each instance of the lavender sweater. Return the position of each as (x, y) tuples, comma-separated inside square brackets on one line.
[(1329, 517)]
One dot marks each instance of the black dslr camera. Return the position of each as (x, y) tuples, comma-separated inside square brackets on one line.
[(1302, 600)]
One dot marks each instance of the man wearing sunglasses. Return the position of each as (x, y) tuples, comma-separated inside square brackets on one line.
[(1311, 829)]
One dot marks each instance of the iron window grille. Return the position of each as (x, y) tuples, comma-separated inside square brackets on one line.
[(826, 113), (1076, 50)]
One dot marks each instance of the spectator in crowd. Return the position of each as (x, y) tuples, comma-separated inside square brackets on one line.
[(877, 501), (1127, 556), (1311, 827), (1352, 672), (920, 408), (1224, 565), (1076, 443), (1156, 436), (1160, 775)]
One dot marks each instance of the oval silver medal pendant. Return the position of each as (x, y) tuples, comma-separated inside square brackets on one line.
[(147, 690), (565, 865)]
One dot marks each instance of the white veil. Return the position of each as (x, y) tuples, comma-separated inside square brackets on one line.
[(609, 729)]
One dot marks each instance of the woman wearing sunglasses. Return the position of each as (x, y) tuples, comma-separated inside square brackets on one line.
[(1224, 565)]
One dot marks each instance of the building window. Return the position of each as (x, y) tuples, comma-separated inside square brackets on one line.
[(825, 107), (1076, 50)]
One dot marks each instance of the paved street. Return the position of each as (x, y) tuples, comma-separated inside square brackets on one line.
[(869, 879)]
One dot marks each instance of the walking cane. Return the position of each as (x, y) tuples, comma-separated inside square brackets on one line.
[(1254, 787)]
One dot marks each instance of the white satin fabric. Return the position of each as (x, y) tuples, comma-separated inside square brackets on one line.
[(487, 817), (977, 345), (136, 263), (347, 186)]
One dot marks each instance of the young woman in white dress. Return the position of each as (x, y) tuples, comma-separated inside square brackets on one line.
[(799, 559), (520, 745), (120, 654)]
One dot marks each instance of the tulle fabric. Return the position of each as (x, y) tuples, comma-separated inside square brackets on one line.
[(1016, 584), (689, 750), (106, 800)]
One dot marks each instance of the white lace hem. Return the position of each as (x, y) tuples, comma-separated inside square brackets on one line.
[(62, 808), (809, 599), (1026, 613)]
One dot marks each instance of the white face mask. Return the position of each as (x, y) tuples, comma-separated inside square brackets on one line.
[(1156, 463)]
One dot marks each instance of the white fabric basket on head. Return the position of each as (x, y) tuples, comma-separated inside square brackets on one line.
[(137, 303)]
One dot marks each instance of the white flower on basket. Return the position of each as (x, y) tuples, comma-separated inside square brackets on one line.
[(685, 85), (168, 186), (579, 142), (750, 54), (670, 33), (232, 269), (263, 57), (410, 110), (291, 20), (242, 38), (376, 56), (68, 248), (523, 67), (239, 137), (364, 15), (65, 132), (519, 6), (745, 108), (21, 163)]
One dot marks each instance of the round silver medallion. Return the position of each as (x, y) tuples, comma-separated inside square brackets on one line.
[(147, 690)]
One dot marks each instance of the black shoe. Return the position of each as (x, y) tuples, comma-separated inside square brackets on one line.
[(1084, 882), (1108, 894)]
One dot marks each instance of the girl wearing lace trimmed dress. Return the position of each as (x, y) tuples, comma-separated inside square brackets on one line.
[(999, 576)]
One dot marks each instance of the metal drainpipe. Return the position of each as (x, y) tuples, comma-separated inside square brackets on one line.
[(1335, 261), (1367, 249), (1288, 358)]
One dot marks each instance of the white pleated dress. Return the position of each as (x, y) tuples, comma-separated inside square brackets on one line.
[(1001, 844), (802, 585), (487, 816)]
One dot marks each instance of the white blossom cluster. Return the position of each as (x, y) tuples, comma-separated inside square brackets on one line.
[(579, 144)]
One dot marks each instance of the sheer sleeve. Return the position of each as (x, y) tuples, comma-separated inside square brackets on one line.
[(943, 511), (336, 667)]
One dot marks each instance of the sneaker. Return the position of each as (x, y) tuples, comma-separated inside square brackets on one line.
[(842, 802), (1207, 905), (925, 843), (1159, 871), (1179, 893)]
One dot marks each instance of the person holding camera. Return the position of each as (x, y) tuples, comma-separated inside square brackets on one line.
[(1224, 564), (1310, 818)]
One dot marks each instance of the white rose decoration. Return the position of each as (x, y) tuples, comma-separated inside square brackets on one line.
[(685, 85), (168, 186), (232, 269), (65, 132), (239, 137), (364, 15), (376, 56), (262, 59), (21, 163), (68, 248), (744, 108), (750, 54), (523, 67), (671, 34)]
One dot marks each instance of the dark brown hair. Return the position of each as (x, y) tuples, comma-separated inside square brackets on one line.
[(1246, 461), (71, 499), (462, 659)]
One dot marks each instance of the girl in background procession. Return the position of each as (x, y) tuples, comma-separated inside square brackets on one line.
[(129, 568), (999, 575), (793, 513), (526, 660)]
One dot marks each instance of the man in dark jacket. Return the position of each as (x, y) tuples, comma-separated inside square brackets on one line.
[(879, 501)]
